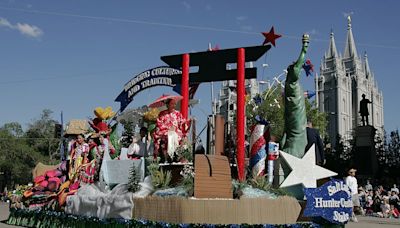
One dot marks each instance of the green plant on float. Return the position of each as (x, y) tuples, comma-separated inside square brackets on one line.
[(133, 182), (159, 178), (261, 182), (188, 185), (237, 188), (188, 179), (185, 151)]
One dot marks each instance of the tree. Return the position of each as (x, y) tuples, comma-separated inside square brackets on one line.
[(133, 183), (318, 119), (127, 133), (270, 106), (381, 148), (13, 128), (340, 157), (393, 150), (17, 158), (40, 135), (129, 119)]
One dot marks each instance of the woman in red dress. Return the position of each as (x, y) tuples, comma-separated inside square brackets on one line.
[(169, 122)]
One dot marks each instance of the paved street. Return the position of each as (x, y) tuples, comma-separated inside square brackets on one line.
[(4, 215), (364, 222)]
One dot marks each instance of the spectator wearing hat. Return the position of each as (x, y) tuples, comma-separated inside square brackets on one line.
[(351, 181)]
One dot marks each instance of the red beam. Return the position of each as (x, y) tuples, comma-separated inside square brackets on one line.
[(185, 85), (240, 112)]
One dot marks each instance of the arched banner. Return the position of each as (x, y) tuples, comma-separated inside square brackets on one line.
[(159, 76)]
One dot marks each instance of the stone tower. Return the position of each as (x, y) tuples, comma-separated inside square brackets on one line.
[(343, 81)]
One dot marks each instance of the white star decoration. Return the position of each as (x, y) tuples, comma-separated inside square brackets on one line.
[(304, 170)]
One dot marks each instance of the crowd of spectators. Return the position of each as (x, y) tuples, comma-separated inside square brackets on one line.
[(379, 201)]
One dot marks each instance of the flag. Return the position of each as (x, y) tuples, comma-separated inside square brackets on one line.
[(308, 67), (309, 94)]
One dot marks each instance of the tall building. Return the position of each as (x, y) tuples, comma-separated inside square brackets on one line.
[(226, 104), (342, 82)]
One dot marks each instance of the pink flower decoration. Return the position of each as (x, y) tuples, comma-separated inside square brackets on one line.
[(39, 179)]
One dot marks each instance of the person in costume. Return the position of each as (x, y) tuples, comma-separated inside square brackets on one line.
[(171, 128), (105, 147), (99, 124), (92, 168), (79, 154), (134, 148), (146, 143)]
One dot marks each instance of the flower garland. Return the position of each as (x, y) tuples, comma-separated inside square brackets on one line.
[(54, 219)]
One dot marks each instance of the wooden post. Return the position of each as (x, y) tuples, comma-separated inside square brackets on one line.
[(185, 86)]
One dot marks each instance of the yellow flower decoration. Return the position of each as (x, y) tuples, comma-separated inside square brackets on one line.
[(151, 115), (247, 98), (104, 114)]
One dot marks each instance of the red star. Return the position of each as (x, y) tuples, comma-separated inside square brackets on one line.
[(270, 36)]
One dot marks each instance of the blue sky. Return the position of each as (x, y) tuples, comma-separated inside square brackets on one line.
[(73, 56)]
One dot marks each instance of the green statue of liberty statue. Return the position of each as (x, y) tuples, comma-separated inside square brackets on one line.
[(295, 135)]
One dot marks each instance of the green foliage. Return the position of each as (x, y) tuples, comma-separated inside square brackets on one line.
[(188, 179), (318, 119), (17, 157), (159, 178), (185, 151), (237, 187), (40, 135), (272, 109), (188, 185), (259, 182), (128, 132), (133, 183), (393, 150), (340, 157), (114, 141), (279, 191), (388, 153)]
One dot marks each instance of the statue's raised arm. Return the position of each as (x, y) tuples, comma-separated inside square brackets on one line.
[(295, 135)]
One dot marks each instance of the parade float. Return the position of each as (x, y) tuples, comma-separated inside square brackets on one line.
[(101, 184)]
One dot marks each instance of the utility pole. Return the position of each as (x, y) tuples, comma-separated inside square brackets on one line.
[(62, 138)]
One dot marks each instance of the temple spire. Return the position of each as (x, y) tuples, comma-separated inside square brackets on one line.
[(350, 47), (366, 65), (332, 52)]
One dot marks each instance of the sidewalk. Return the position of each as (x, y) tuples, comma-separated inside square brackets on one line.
[(372, 222)]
